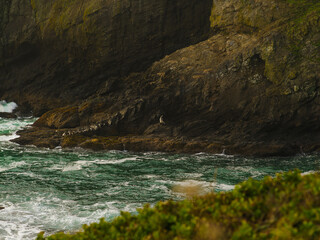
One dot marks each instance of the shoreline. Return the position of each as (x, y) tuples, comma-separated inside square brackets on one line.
[(51, 138)]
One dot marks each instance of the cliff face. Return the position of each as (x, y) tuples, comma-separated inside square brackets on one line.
[(251, 88), (56, 52)]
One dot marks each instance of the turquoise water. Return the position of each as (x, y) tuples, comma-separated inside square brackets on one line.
[(53, 190)]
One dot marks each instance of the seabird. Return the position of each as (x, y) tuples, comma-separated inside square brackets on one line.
[(161, 121)]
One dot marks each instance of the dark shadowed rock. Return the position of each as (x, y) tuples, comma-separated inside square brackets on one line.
[(7, 115), (58, 52), (252, 88)]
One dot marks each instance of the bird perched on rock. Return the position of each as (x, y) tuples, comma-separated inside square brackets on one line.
[(161, 121)]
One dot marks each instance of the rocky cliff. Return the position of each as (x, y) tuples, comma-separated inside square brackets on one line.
[(57, 52), (251, 88)]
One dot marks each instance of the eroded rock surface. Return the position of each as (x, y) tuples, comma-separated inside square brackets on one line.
[(251, 88), (57, 52)]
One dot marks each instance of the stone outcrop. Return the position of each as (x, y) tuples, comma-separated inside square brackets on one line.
[(251, 88), (8, 115), (57, 52)]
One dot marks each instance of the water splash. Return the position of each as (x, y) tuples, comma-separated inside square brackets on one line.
[(9, 127), (7, 107)]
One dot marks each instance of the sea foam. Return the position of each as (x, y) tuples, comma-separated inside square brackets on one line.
[(7, 107)]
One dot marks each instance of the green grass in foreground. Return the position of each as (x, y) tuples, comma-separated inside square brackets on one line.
[(284, 207)]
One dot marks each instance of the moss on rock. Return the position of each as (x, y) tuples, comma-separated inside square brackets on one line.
[(69, 20), (66, 117)]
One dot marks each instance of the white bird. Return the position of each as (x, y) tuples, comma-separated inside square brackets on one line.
[(161, 121)]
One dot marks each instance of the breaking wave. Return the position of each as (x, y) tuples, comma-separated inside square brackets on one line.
[(60, 190), (7, 107)]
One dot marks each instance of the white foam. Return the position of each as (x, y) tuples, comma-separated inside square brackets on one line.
[(28, 174), (114, 161), (75, 166), (308, 172), (149, 176), (225, 187), (17, 164), (9, 127), (152, 153), (200, 153), (56, 167), (247, 169), (12, 166), (193, 175), (163, 188), (105, 162), (50, 213), (7, 107), (6, 138), (80, 164), (191, 183), (10, 216), (223, 154), (3, 169), (71, 168)]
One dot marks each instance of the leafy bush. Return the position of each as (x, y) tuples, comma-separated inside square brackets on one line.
[(284, 207)]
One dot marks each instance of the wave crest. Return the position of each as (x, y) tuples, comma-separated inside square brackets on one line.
[(7, 107)]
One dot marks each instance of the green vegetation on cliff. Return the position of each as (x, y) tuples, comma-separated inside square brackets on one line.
[(259, 13), (294, 26), (284, 207), (71, 17)]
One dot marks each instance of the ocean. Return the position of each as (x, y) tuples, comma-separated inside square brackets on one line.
[(58, 189)]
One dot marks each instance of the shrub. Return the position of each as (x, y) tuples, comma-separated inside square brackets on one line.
[(284, 207)]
